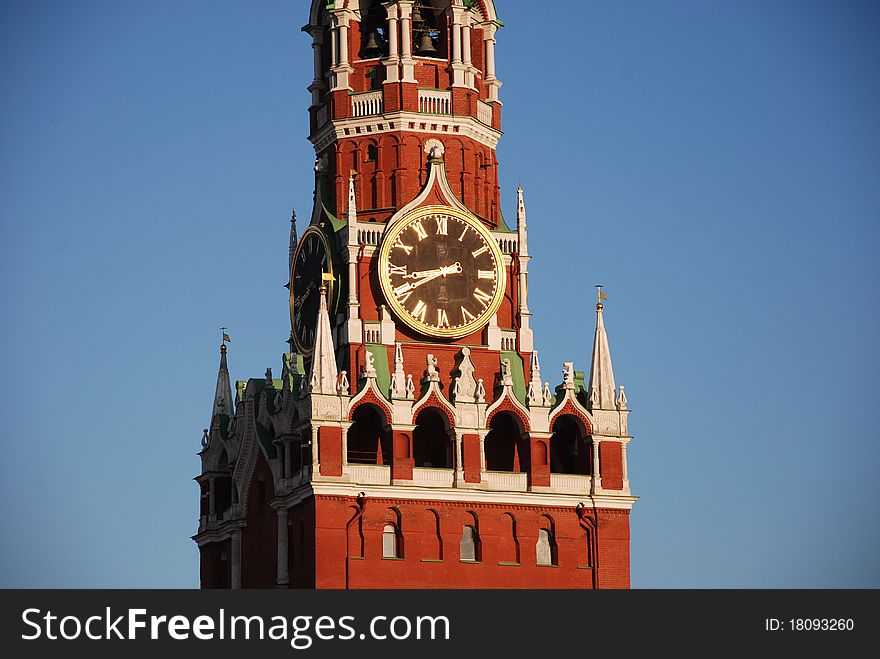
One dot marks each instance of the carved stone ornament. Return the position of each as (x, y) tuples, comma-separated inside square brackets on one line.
[(343, 386), (434, 148)]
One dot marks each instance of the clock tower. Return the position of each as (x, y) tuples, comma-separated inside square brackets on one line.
[(411, 441)]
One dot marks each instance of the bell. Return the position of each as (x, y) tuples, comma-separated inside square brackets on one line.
[(416, 15), (426, 45), (372, 47)]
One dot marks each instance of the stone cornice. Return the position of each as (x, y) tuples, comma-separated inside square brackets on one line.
[(399, 122)]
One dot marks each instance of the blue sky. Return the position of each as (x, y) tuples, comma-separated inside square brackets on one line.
[(715, 164)]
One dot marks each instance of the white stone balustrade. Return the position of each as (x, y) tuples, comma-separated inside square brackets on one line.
[(367, 103), (435, 101)]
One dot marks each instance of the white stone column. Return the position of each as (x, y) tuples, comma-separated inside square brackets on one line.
[(466, 50), (406, 58), (483, 451), (317, 81), (625, 468), (597, 478), (489, 38), (342, 68), (236, 560), (459, 464), (458, 69), (343, 44), (282, 547), (456, 34), (491, 81), (315, 462), (345, 429), (392, 62)]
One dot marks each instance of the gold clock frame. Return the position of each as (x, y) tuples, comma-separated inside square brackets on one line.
[(391, 235), (306, 351)]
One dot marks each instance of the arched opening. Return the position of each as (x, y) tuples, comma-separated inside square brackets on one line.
[(431, 445), (430, 33), (390, 546), (374, 31), (545, 548), (509, 547), (469, 547), (368, 443), (223, 486), (569, 449), (504, 446), (435, 543)]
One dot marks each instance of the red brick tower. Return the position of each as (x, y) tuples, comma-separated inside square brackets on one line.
[(411, 442)]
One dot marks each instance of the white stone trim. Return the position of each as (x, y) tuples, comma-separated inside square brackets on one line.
[(475, 495), (399, 122)]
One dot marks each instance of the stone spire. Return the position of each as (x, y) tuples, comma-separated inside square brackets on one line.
[(223, 393), (293, 242), (526, 336), (602, 390), (352, 204), (324, 377), (521, 231)]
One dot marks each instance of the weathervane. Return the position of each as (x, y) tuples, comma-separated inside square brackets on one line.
[(602, 295)]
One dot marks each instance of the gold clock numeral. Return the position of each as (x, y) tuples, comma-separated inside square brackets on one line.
[(486, 274), (463, 233), (406, 248), (485, 298), (419, 312), (396, 269), (442, 318), (420, 231), (442, 225), (467, 315), (482, 250)]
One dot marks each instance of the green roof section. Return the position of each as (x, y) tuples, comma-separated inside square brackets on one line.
[(337, 224), (503, 228), (517, 371), (380, 363)]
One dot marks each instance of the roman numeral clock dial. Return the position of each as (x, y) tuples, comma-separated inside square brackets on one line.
[(311, 260), (441, 272)]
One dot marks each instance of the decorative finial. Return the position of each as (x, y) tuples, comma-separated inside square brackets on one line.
[(548, 397), (568, 375), (431, 372), (621, 399), (481, 391), (601, 296)]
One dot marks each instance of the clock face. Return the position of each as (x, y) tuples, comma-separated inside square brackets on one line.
[(441, 272), (310, 262)]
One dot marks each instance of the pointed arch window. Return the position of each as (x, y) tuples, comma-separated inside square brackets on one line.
[(545, 548), (390, 544), (469, 547)]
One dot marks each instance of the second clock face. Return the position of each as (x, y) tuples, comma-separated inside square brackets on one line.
[(311, 262), (441, 272)]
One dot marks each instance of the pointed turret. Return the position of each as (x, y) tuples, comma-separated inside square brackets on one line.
[(526, 336), (352, 202), (602, 390), (324, 376), (293, 241), (521, 230), (223, 394)]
